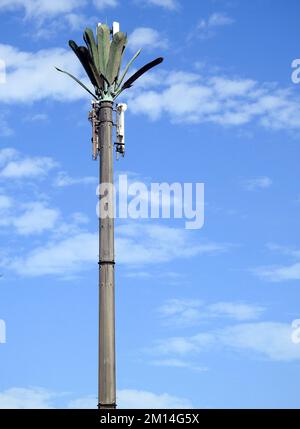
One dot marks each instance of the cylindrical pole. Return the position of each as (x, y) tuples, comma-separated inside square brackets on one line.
[(107, 360)]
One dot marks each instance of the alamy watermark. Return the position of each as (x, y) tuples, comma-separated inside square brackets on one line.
[(2, 332), (138, 200), (295, 76)]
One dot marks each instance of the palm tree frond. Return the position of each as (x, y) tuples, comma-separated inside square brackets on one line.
[(103, 37), (140, 72), (115, 56), (127, 68), (84, 62), (90, 41), (78, 81)]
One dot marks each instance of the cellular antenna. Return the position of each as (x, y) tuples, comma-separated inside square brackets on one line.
[(120, 124)]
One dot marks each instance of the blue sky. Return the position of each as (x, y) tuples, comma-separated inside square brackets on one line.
[(203, 317)]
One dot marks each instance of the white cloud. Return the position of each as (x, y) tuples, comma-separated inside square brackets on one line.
[(279, 273), (38, 117), (21, 398), (178, 363), (165, 276), (146, 38), (85, 403), (135, 245), (5, 129), (207, 28), (166, 4), (80, 218), (17, 166), (264, 339), (38, 398), (130, 398), (102, 4), (46, 8), (36, 218), (5, 202), (42, 80), (220, 100), (41, 8), (51, 17), (139, 244), (182, 311), (189, 312), (7, 154), (263, 182), (183, 346), (270, 340), (63, 180), (27, 218), (31, 167), (236, 311), (67, 256), (285, 250), (216, 20)]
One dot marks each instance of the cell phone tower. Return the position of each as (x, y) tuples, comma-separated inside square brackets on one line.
[(101, 59)]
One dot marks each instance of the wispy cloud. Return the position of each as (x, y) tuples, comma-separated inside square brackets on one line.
[(193, 311), (262, 182), (222, 100), (136, 245), (102, 4), (37, 70), (7, 154), (60, 257), (14, 166), (235, 310), (41, 8), (36, 218), (146, 38), (30, 398), (182, 346), (5, 202), (39, 398), (5, 128), (129, 398), (280, 272), (269, 340), (260, 339), (50, 18), (179, 363), (28, 218), (207, 28), (143, 244), (277, 273), (166, 4), (37, 117), (63, 179)]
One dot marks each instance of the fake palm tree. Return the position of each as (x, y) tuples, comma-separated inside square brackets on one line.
[(102, 59)]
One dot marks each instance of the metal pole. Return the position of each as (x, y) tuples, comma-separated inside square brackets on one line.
[(107, 362)]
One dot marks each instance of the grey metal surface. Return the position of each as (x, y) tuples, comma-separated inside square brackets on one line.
[(107, 360)]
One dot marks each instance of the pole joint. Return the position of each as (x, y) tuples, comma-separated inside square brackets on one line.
[(107, 406), (107, 262)]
